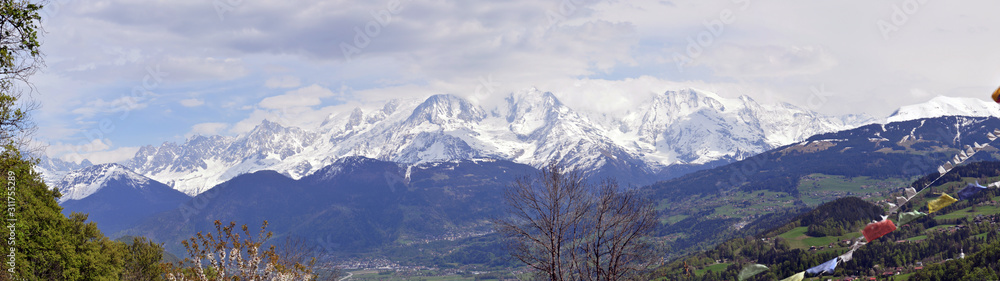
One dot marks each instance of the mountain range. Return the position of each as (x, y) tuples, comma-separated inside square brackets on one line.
[(450, 186), (672, 134), (354, 204)]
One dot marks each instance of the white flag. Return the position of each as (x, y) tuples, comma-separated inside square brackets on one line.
[(901, 200)]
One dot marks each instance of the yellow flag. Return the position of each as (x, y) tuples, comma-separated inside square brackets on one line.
[(940, 203), (796, 277)]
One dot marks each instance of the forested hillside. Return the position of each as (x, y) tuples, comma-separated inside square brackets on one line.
[(914, 250)]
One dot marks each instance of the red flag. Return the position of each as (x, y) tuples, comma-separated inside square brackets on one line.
[(877, 229)]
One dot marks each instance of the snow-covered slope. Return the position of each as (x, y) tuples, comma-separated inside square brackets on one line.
[(54, 169), (946, 106), (114, 196), (692, 126), (688, 127), (81, 183)]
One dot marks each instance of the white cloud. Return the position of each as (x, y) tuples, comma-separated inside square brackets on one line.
[(302, 97), (98, 151), (282, 82), (207, 129), (604, 56), (117, 155), (202, 68), (766, 61), (100, 106), (192, 102)]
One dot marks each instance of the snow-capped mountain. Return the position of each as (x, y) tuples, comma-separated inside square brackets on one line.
[(688, 127), (82, 183), (692, 126), (54, 169), (114, 196), (946, 106)]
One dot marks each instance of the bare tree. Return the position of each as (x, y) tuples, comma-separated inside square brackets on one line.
[(615, 244), (546, 213), (570, 230), (231, 256)]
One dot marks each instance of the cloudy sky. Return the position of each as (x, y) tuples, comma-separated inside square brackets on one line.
[(126, 73)]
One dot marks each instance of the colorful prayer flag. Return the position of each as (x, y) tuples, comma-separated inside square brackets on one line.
[(826, 267), (846, 257), (797, 277), (948, 166), (875, 230), (970, 191), (751, 270), (940, 203), (907, 217)]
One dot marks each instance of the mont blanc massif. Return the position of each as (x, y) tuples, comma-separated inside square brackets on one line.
[(417, 182)]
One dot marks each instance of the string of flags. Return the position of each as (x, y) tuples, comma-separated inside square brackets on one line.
[(877, 229)]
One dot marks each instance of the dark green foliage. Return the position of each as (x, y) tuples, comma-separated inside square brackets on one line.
[(982, 265), (142, 261)]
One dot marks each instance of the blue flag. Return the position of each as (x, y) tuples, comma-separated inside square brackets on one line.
[(826, 267), (970, 191)]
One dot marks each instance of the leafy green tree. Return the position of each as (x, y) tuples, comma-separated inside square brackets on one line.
[(40, 243), (142, 260), (20, 57)]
